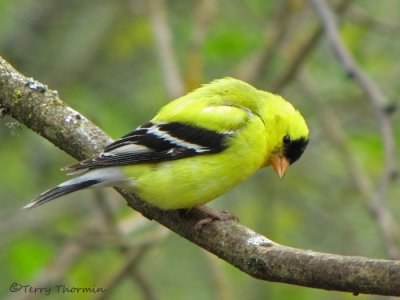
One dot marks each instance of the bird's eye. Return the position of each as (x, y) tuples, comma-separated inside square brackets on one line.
[(286, 139)]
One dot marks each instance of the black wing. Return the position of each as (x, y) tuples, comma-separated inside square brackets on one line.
[(153, 142)]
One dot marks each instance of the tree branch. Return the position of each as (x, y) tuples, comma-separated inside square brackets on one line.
[(41, 110), (164, 47)]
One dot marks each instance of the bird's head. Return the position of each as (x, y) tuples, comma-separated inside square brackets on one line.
[(289, 133)]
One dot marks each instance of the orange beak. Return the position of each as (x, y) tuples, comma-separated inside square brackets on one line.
[(280, 165)]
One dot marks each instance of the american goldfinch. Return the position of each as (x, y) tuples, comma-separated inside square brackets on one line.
[(196, 148)]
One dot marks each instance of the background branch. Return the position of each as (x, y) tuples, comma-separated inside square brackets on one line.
[(387, 227), (164, 48), (302, 52), (376, 99)]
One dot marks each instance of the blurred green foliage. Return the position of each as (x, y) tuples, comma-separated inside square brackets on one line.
[(102, 58)]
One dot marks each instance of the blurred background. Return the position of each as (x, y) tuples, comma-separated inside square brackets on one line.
[(118, 62)]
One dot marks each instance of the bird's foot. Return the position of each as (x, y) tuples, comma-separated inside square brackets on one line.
[(213, 215)]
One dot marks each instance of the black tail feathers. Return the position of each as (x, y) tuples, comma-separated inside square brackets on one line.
[(60, 190)]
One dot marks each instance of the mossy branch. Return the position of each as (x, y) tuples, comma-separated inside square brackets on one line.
[(40, 109)]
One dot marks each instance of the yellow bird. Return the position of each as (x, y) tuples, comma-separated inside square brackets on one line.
[(196, 148)]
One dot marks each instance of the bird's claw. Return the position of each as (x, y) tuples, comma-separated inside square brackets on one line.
[(212, 216)]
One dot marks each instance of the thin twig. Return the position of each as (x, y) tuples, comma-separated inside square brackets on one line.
[(275, 32), (375, 96), (129, 269), (132, 258), (302, 53), (108, 220), (164, 48), (144, 284), (70, 253), (203, 15), (386, 225), (360, 16), (54, 273)]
